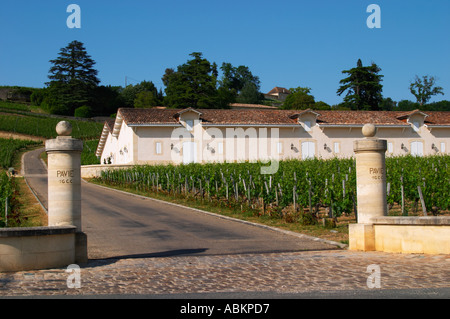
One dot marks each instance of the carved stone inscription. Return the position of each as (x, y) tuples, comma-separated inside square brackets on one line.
[(377, 173), (65, 176)]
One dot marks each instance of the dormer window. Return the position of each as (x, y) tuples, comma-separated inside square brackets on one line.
[(187, 117), (416, 118), (189, 125), (307, 126), (307, 118)]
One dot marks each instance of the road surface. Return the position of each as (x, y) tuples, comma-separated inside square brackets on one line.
[(121, 225)]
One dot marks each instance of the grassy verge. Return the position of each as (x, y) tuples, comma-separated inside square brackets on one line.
[(27, 211), (30, 212), (339, 233)]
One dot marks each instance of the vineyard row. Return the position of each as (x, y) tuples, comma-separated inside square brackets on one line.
[(309, 184)]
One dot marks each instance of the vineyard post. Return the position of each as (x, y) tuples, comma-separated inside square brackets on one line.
[(371, 188), (6, 211), (293, 197), (422, 201), (276, 196), (402, 189), (309, 196), (226, 188), (248, 190), (388, 190)]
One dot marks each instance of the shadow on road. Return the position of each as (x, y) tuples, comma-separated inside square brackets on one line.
[(169, 253)]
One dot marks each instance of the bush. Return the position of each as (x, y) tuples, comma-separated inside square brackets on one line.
[(38, 96), (83, 111)]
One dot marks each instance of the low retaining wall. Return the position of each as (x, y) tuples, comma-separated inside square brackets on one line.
[(414, 235), (37, 248), (90, 171)]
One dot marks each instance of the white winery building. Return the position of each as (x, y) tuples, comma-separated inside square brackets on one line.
[(154, 136)]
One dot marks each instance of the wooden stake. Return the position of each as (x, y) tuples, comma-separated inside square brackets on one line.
[(424, 209)]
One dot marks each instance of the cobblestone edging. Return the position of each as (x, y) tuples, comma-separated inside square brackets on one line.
[(278, 272)]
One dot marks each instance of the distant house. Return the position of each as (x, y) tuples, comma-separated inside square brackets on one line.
[(277, 93), (156, 136)]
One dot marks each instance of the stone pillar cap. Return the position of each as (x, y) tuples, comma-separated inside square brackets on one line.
[(64, 128), (369, 130), (370, 143), (64, 142)]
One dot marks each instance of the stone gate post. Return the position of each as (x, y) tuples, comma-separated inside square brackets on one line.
[(371, 188), (64, 184)]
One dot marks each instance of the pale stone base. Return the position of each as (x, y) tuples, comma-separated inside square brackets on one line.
[(36, 248), (410, 235), (81, 251), (361, 237)]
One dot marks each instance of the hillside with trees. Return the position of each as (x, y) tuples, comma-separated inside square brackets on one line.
[(74, 89)]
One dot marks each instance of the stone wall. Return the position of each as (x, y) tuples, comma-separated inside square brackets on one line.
[(15, 94), (411, 235), (91, 171), (37, 248)]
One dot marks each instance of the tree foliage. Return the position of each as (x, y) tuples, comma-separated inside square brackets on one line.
[(299, 99), (196, 84), (131, 93), (363, 87), (73, 63), (424, 88), (145, 99), (72, 79), (249, 94), (193, 84), (241, 83)]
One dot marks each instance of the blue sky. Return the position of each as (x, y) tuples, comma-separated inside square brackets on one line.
[(286, 43)]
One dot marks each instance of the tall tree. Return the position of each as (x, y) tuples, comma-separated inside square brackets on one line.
[(73, 63), (363, 86), (73, 79), (235, 78), (194, 84), (250, 94), (424, 88), (241, 83), (145, 99), (299, 99), (387, 104), (130, 93)]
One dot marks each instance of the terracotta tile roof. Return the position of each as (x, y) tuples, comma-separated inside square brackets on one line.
[(403, 115), (110, 124), (278, 117), (437, 118), (277, 89), (250, 116), (149, 116), (358, 118), (251, 106)]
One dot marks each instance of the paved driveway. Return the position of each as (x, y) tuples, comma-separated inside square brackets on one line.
[(120, 225)]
